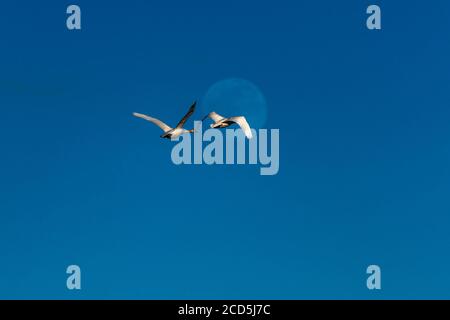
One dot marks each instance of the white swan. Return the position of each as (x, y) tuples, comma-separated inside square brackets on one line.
[(169, 132), (222, 122)]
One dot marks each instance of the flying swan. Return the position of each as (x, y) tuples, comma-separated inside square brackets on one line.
[(222, 122), (169, 132)]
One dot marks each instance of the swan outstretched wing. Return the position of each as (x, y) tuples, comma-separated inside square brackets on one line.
[(242, 122), (186, 116), (159, 123), (214, 116)]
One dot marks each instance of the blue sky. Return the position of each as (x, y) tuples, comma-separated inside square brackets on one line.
[(364, 151)]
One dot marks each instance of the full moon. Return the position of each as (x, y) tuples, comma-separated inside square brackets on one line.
[(236, 97)]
